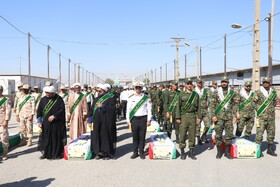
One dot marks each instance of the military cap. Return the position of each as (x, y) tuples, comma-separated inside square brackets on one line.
[(214, 82), (26, 86), (248, 83), (181, 84), (266, 79), (139, 84), (36, 87), (199, 79), (48, 83), (154, 85), (188, 80), (162, 85), (174, 82), (62, 87), (225, 78), (20, 84), (85, 85)]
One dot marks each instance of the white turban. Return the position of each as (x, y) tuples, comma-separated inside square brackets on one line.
[(49, 89), (77, 84), (99, 85), (108, 86)]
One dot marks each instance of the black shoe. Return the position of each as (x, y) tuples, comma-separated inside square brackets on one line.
[(199, 140), (191, 154), (135, 155), (227, 154), (183, 155), (142, 155), (42, 157), (97, 157), (219, 152), (270, 150)]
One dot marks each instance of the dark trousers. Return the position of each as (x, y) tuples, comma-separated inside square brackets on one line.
[(139, 128), (124, 103)]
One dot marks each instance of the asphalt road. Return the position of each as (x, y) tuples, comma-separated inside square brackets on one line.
[(24, 168)]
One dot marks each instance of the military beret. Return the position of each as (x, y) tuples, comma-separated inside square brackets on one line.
[(188, 80), (266, 79), (225, 78), (248, 83), (199, 79)]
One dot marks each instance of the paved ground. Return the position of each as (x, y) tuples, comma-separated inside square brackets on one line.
[(23, 168)]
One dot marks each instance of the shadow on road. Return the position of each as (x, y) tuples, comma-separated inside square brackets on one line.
[(124, 136), (123, 150), (27, 151), (29, 182)]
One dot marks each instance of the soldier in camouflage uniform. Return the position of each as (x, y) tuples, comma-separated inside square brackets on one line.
[(159, 104), (18, 95), (164, 110), (203, 101), (169, 106), (224, 106), (246, 112), (24, 115), (188, 116), (265, 100), (154, 101)]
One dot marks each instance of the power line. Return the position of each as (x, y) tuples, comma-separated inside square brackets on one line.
[(13, 25)]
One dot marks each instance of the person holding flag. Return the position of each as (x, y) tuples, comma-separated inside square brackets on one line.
[(102, 120), (77, 112), (139, 114), (51, 120)]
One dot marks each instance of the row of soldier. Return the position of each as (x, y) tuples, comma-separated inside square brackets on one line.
[(182, 109)]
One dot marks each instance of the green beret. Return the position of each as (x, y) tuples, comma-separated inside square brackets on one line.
[(266, 79), (225, 78), (248, 83)]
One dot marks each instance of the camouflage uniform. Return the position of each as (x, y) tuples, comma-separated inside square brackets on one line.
[(247, 115), (188, 120), (266, 121), (5, 115), (164, 108), (224, 118), (171, 122), (26, 126), (159, 106), (154, 103)]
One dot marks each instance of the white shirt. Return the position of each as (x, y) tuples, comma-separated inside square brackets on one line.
[(145, 109), (124, 95)]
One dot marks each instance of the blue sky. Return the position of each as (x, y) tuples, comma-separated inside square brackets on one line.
[(126, 38)]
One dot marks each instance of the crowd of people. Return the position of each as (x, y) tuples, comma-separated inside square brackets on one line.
[(184, 107)]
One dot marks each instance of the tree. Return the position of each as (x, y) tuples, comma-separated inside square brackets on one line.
[(146, 81), (109, 81)]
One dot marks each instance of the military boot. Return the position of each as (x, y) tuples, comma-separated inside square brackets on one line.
[(203, 138), (227, 154), (219, 152), (238, 133), (177, 138), (5, 153), (23, 141), (270, 150), (183, 155), (199, 140), (191, 154), (29, 143)]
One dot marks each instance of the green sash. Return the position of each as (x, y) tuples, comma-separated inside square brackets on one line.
[(247, 101), (137, 106), (266, 103), (38, 98), (101, 100), (224, 102), (87, 94), (112, 90), (3, 101), (174, 102), (49, 106), (203, 95), (64, 95), (23, 102), (76, 103), (188, 103)]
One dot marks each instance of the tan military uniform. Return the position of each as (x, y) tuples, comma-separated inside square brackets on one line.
[(28, 110), (18, 95), (5, 114)]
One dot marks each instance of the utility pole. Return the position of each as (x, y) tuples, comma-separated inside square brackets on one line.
[(86, 77), (269, 69), (200, 65), (75, 73), (160, 73), (29, 64), (69, 61), (79, 68), (89, 78), (185, 66), (177, 73), (82, 75), (152, 76), (197, 62), (59, 55), (175, 69), (256, 48), (92, 79), (48, 62), (166, 72), (225, 55)]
